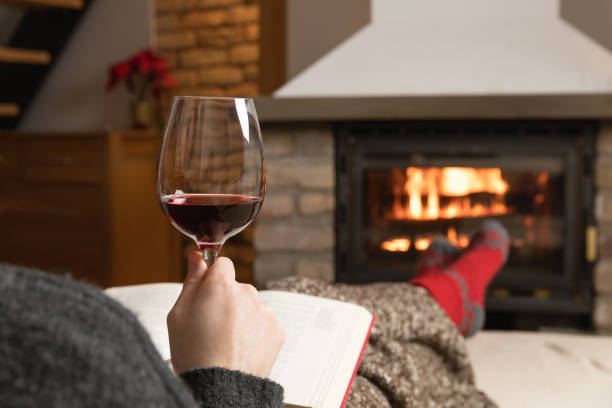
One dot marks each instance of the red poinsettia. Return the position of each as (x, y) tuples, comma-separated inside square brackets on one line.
[(145, 74)]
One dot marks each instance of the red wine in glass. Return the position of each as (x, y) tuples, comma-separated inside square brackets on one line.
[(211, 173), (211, 218)]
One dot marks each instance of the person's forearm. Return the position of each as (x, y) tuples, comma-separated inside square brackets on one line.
[(219, 387)]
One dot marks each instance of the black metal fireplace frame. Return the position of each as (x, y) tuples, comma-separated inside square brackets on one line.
[(363, 145)]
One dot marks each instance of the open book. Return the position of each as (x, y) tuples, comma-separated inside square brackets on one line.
[(324, 344)]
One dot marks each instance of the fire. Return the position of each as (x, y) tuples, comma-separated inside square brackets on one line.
[(402, 244), (459, 240), (461, 181), (430, 193), (456, 185), (422, 244), (396, 245)]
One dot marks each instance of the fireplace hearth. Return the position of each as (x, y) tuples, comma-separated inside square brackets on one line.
[(401, 184)]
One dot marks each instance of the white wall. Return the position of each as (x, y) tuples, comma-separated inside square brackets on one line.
[(459, 47), (593, 17), (314, 27), (73, 96)]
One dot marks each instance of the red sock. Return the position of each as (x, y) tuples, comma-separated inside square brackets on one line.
[(439, 254), (459, 289), (447, 293)]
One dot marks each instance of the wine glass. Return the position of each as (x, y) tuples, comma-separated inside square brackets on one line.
[(211, 173)]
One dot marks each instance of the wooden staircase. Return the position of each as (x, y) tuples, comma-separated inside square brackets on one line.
[(71, 4), (28, 57), (22, 56), (9, 109)]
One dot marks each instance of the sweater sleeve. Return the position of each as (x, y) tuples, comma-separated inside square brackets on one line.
[(219, 387)]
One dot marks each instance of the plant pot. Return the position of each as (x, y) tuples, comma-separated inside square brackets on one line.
[(143, 114)]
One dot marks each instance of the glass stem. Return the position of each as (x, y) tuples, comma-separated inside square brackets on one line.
[(209, 254)]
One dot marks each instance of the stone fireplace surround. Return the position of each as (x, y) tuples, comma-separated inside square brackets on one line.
[(294, 234)]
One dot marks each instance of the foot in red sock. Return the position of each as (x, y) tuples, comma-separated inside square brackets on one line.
[(438, 256), (461, 287)]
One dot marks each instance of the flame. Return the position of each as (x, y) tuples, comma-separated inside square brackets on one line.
[(413, 189), (422, 244), (456, 184), (396, 245), (461, 181), (402, 244), (433, 200), (459, 240)]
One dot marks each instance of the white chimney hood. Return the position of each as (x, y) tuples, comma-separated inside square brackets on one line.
[(459, 47)]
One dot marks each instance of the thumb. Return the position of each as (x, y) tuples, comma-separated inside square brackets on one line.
[(195, 273)]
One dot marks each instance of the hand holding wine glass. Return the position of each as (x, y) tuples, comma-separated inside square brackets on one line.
[(218, 322), (211, 177)]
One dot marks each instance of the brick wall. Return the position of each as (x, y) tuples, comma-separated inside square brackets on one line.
[(212, 47), (294, 234), (602, 316)]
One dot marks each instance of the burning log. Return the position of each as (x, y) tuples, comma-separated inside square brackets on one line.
[(448, 193)]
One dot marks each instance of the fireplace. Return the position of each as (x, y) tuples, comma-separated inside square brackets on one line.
[(401, 184)]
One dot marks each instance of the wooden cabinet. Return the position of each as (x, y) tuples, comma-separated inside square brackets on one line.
[(85, 204)]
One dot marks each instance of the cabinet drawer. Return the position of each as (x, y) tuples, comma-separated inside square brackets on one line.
[(59, 160), (64, 152), (82, 261), (48, 210), (9, 154)]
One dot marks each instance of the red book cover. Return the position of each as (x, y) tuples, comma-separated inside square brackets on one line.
[(365, 343)]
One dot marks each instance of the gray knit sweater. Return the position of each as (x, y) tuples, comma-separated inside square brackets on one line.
[(65, 344)]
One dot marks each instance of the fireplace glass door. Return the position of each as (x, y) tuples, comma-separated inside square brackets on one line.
[(405, 208), (401, 185)]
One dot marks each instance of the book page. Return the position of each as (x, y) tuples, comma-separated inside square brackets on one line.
[(318, 331), (315, 365), (346, 360), (150, 303)]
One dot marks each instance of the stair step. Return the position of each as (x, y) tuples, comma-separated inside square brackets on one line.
[(71, 4), (24, 56), (9, 109)]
